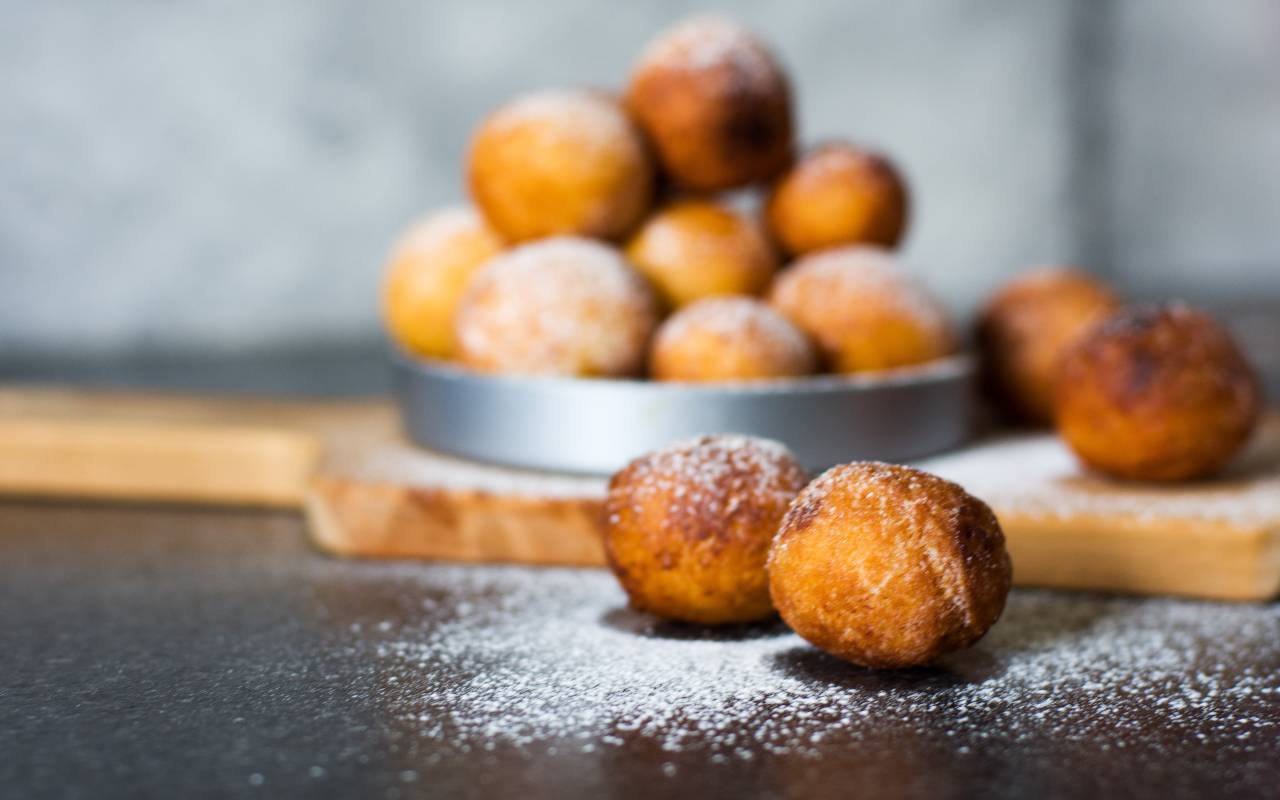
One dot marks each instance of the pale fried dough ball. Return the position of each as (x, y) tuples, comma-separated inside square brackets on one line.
[(693, 249), (728, 339), (1157, 393), (887, 566), (559, 306), (427, 273), (862, 310), (838, 194), (688, 527), (1025, 328), (560, 162), (715, 104)]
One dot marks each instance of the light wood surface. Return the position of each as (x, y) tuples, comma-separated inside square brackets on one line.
[(367, 493)]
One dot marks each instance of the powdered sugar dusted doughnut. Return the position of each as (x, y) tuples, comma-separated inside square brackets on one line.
[(863, 311), (888, 566), (688, 527), (561, 161), (727, 339), (715, 104), (560, 306)]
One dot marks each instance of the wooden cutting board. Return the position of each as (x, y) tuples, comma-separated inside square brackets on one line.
[(368, 493)]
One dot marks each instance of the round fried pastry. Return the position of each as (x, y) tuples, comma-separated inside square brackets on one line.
[(560, 162), (888, 566), (729, 339), (1157, 393), (688, 527), (714, 103), (1026, 326), (427, 274), (559, 306), (693, 249), (838, 194), (862, 310)]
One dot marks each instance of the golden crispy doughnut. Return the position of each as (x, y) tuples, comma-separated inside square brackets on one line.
[(728, 339), (560, 162), (1024, 329), (862, 310), (715, 104), (687, 528), (1157, 393), (887, 566), (427, 274), (693, 249), (838, 194), (559, 306)]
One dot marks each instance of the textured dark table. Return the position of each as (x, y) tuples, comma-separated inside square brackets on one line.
[(186, 653)]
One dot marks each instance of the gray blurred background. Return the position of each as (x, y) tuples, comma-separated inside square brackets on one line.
[(217, 183)]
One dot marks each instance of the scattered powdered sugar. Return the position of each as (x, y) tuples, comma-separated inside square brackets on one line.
[(417, 467), (1038, 474), (529, 657), (563, 305), (707, 476)]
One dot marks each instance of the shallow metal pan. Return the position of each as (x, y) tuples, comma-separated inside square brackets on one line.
[(596, 426)]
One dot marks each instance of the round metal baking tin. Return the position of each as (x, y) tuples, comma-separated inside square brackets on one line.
[(598, 425)]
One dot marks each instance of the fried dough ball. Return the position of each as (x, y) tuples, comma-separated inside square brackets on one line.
[(715, 104), (887, 566), (1158, 393), (687, 528), (693, 249), (559, 306), (838, 194), (1026, 326), (560, 162), (427, 274), (862, 310), (727, 339)]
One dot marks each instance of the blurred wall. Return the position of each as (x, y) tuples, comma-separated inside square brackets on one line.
[(226, 176)]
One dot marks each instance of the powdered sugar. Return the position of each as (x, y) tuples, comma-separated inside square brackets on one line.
[(551, 657), (1037, 474), (701, 475), (709, 42)]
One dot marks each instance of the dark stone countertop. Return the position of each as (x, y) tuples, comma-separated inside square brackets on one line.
[(164, 652)]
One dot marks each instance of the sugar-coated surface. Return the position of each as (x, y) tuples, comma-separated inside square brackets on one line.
[(1038, 474), (708, 42), (552, 656), (563, 305), (188, 653)]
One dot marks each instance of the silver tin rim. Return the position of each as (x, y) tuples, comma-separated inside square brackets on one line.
[(596, 426)]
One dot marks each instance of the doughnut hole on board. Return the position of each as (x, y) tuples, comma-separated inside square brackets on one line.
[(1157, 393), (1027, 326)]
